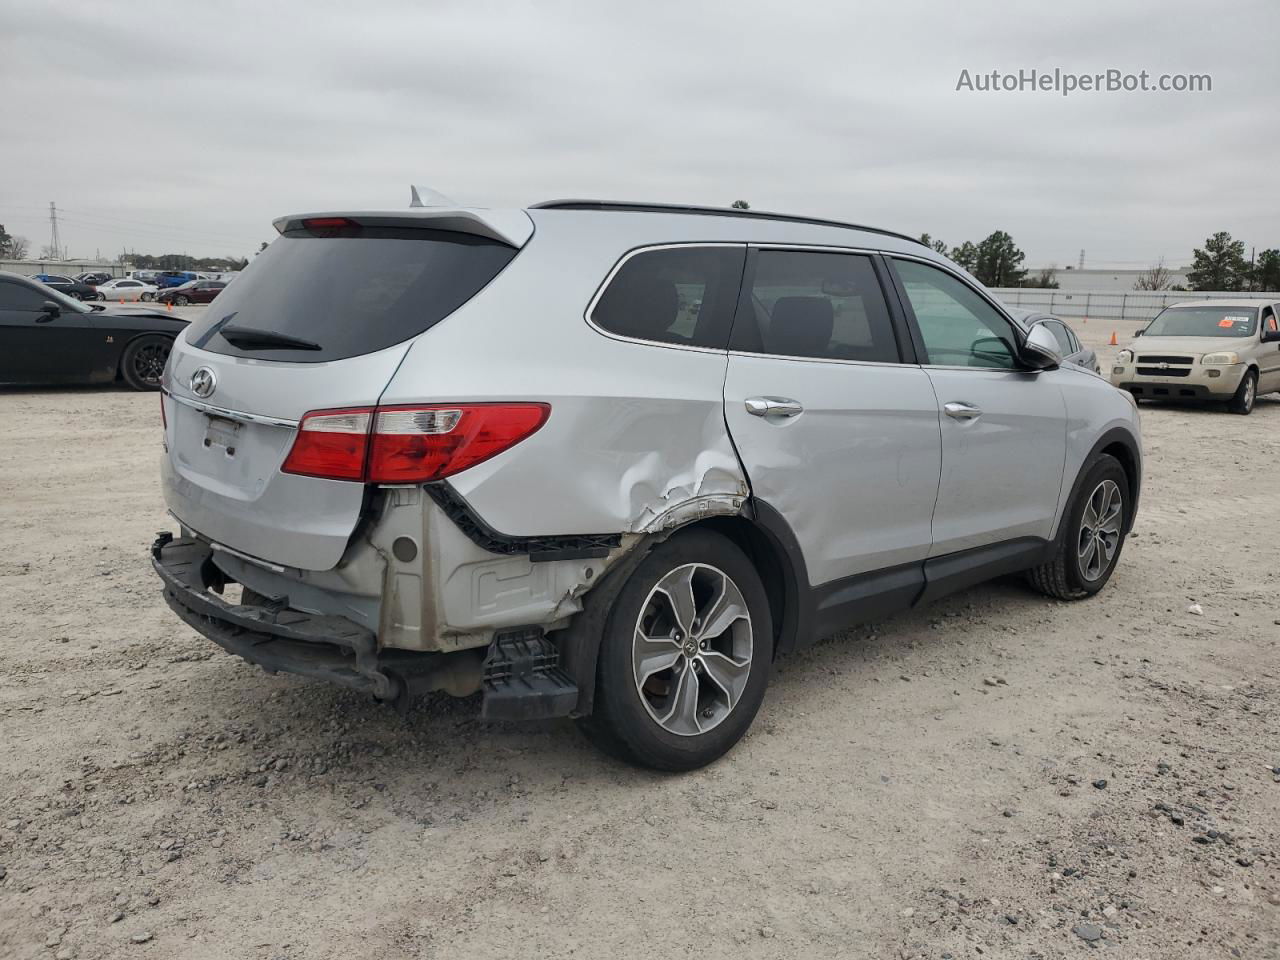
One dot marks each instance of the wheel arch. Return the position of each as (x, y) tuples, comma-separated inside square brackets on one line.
[(1123, 446), (768, 542)]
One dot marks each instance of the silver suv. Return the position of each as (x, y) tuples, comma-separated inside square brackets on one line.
[(610, 460)]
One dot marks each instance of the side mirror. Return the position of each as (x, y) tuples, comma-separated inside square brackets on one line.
[(48, 310), (1140, 331), (1041, 351), (1271, 336)]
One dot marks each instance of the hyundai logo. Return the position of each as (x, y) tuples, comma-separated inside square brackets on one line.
[(203, 382)]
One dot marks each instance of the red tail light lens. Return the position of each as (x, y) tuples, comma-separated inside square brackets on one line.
[(418, 444), (331, 444), (410, 444)]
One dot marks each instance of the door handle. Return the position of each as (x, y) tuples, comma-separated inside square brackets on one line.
[(773, 407), (961, 411)]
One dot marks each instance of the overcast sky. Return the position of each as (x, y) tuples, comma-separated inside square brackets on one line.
[(182, 126)]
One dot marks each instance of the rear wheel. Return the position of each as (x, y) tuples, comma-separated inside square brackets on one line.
[(685, 656), (148, 297), (143, 362), (1246, 394), (1092, 535)]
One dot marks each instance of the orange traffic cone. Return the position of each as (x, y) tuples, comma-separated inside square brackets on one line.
[(1114, 341), (169, 304)]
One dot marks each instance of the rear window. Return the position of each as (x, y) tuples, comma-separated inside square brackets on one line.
[(349, 294)]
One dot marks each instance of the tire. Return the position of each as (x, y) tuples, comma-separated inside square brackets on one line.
[(1246, 394), (101, 297), (1075, 573), (643, 718), (180, 301), (143, 361), (148, 297)]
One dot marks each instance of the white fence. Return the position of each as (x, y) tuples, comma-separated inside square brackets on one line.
[(1141, 305)]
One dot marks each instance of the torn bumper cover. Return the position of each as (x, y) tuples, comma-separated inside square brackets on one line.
[(277, 638)]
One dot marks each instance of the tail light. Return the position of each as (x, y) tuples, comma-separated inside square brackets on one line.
[(409, 444)]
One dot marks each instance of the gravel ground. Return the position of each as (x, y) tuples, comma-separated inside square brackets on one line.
[(999, 775)]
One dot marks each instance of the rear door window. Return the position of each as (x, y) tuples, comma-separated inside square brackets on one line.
[(679, 295), (346, 294), (825, 306)]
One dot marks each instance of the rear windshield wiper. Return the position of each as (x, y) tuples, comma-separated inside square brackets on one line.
[(249, 338)]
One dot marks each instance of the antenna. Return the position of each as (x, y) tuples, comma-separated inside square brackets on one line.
[(53, 225), (1082, 259), (433, 198)]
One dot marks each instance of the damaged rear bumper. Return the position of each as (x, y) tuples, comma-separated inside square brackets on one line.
[(280, 639), (519, 674)]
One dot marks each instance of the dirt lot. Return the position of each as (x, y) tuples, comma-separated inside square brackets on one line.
[(1000, 775)]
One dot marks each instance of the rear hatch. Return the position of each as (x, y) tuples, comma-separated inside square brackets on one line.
[(319, 321)]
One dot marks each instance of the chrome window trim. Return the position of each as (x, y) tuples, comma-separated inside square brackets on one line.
[(231, 414), (635, 251)]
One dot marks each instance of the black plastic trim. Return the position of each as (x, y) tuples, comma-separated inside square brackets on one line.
[(539, 549), (640, 207)]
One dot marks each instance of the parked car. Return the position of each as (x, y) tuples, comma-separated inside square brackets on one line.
[(174, 278), (67, 285), (193, 291), (1218, 350), (146, 276), (126, 288), (93, 279), (441, 450), (1069, 345), (48, 337)]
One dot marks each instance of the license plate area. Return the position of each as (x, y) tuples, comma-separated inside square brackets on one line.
[(222, 434)]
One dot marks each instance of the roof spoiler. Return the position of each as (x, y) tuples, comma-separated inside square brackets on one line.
[(512, 227)]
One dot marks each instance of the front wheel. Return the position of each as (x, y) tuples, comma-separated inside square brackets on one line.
[(1092, 535), (181, 301), (1246, 394), (143, 362), (101, 296), (685, 656)]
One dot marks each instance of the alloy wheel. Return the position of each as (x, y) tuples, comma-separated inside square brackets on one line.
[(691, 654), (149, 361), (1099, 537)]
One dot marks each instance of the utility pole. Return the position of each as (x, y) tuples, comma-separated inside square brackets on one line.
[(53, 230), (1081, 267)]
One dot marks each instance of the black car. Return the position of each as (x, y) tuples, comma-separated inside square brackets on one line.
[(93, 279), (47, 337), (72, 288)]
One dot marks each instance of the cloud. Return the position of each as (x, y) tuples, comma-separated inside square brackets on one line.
[(180, 126)]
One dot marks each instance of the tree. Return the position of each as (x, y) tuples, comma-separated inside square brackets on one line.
[(1220, 265), (740, 205), (937, 246), (1158, 277), (1046, 279), (11, 247), (48, 253), (966, 255), (999, 261), (1266, 274)]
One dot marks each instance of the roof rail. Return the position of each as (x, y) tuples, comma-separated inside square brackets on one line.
[(635, 207)]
